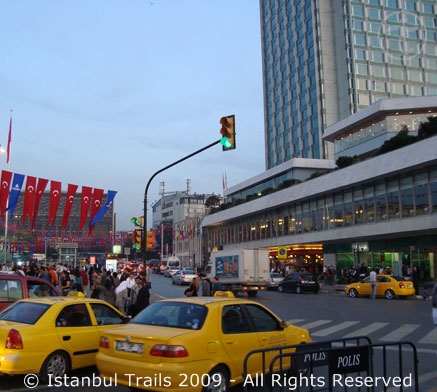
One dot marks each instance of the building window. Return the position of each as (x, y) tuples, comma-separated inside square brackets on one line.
[(359, 39)]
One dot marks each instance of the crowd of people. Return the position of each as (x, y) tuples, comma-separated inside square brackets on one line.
[(125, 289)]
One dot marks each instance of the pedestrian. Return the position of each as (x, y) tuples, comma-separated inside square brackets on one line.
[(107, 291), (121, 297), (416, 279), (373, 283), (434, 304), (193, 289), (65, 282), (216, 285), (142, 298), (206, 285)]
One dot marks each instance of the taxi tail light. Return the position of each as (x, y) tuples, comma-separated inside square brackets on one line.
[(401, 285), (104, 342), (14, 340), (163, 350)]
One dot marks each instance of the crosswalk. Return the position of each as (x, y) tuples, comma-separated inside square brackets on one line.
[(377, 331)]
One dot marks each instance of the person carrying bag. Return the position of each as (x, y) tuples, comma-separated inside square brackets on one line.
[(193, 289)]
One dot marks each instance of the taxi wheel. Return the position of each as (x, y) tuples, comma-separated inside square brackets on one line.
[(353, 293), (389, 294), (57, 364), (218, 380)]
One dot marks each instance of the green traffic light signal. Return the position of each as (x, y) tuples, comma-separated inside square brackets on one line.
[(228, 132), (137, 221)]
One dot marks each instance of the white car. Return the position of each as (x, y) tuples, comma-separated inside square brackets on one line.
[(170, 271), (275, 279), (184, 276)]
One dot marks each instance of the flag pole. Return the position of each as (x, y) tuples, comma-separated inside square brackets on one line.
[(8, 162)]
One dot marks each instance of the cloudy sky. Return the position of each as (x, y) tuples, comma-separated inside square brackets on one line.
[(107, 92)]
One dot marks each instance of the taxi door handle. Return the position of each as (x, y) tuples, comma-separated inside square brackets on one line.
[(66, 337)]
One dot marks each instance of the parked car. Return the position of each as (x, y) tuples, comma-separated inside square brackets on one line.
[(387, 286), (184, 276), (14, 287), (203, 337), (275, 279), (53, 335), (299, 282)]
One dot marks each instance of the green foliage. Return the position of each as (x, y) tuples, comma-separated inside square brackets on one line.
[(212, 201), (287, 183), (402, 139), (267, 191), (427, 129), (345, 161)]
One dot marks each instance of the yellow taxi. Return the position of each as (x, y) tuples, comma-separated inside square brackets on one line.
[(387, 286), (193, 344), (52, 335)]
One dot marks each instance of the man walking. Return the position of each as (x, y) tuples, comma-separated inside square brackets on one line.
[(373, 283)]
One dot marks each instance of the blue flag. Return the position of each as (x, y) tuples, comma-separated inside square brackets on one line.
[(17, 184), (100, 213)]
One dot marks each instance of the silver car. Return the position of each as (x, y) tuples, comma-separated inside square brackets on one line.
[(275, 279), (184, 276)]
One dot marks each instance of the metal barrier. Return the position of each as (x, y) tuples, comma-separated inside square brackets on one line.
[(309, 352), (337, 365)]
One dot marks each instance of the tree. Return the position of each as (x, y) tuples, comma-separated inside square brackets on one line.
[(212, 201), (402, 139), (428, 128)]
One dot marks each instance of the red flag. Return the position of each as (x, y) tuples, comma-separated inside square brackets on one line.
[(40, 188), (71, 191), (85, 206), (55, 198), (95, 207), (4, 190), (8, 151), (29, 197)]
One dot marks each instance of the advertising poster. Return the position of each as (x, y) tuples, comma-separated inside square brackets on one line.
[(227, 266)]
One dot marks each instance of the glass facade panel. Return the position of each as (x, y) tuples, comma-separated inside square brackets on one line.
[(407, 196), (393, 199), (381, 202), (348, 209), (358, 206), (369, 204), (433, 189), (338, 210), (421, 193)]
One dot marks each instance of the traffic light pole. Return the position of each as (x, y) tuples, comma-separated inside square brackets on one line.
[(144, 235)]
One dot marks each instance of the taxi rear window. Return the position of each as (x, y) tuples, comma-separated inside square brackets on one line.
[(173, 315), (24, 312)]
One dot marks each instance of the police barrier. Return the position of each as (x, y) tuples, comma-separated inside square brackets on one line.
[(340, 365), (310, 355)]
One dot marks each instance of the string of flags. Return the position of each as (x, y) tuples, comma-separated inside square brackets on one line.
[(91, 199)]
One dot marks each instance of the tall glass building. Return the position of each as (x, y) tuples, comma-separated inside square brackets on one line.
[(324, 60)]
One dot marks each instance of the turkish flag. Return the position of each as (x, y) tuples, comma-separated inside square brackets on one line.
[(40, 188), (29, 197), (85, 205), (55, 198), (4, 190), (95, 206), (71, 191)]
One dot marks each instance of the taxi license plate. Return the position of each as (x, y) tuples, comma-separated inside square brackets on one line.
[(129, 347)]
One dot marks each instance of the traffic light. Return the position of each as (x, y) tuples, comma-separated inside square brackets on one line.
[(137, 221), (136, 239), (228, 132), (150, 240)]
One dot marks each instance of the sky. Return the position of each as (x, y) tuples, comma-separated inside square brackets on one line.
[(105, 93)]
